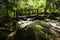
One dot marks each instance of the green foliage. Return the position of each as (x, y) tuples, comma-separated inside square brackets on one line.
[(11, 6)]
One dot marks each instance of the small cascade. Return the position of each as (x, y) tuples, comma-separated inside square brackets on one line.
[(23, 23)]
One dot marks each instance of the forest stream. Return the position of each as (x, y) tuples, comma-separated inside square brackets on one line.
[(53, 24)]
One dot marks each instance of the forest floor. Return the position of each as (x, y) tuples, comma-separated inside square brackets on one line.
[(8, 23)]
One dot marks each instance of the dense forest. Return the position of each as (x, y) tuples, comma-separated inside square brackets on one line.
[(38, 15)]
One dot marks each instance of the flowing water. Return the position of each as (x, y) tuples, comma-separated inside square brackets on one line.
[(55, 26)]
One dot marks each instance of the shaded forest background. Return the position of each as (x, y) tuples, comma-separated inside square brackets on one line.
[(22, 7)]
